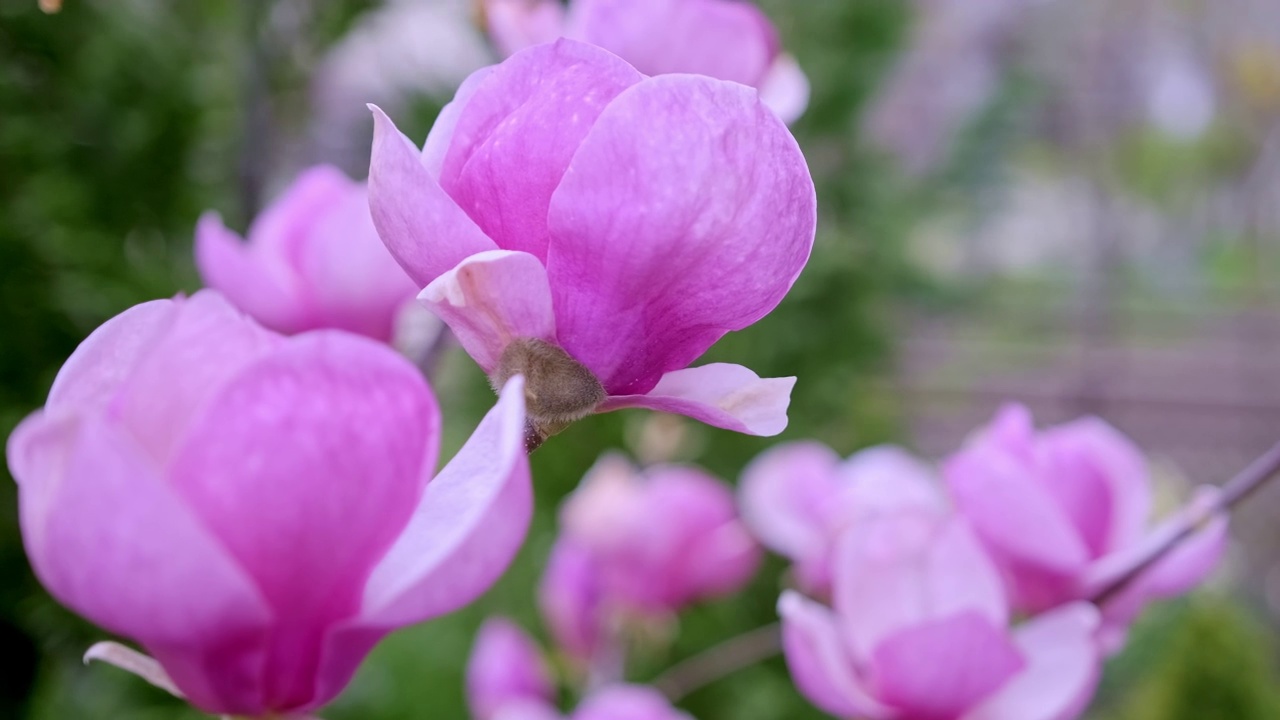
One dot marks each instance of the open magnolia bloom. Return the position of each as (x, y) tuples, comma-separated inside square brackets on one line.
[(313, 261), (1066, 510), (919, 630), (724, 39), (258, 511), (596, 230)]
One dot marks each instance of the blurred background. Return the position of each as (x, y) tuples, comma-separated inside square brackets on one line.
[(1070, 203)]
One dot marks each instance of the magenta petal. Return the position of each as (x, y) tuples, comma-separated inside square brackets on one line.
[(569, 597), (420, 224), (492, 298), (720, 394), (819, 666), (518, 24), (505, 667), (627, 702), (942, 668), (1062, 669), (787, 496), (785, 89), (93, 373), (111, 540), (705, 232), (517, 135), (227, 265), (466, 529)]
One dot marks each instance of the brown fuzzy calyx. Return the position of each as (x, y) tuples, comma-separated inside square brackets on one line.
[(558, 390)]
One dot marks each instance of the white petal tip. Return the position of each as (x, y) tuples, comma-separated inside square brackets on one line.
[(134, 662)]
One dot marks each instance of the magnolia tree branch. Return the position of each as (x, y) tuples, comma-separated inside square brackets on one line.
[(1235, 491), (720, 660)]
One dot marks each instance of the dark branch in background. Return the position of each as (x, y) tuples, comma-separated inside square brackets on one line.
[(720, 660), (256, 130)]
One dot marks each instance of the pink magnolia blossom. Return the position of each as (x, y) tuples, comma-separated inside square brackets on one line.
[(725, 39), (313, 261), (1065, 510), (919, 630), (258, 511), (797, 498), (597, 230), (641, 544)]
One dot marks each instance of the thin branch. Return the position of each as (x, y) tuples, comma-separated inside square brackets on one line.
[(720, 661)]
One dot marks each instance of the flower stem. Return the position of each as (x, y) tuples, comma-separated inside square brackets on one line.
[(719, 661), (1235, 491)]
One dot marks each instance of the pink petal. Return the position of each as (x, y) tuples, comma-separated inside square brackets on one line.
[(720, 394), (819, 665), (786, 496), (420, 224), (569, 597), (112, 541), (704, 233), (723, 561), (627, 702), (282, 228), (527, 711), (265, 289), (722, 39), (942, 668), (518, 24), (1062, 669), (492, 298), (516, 136), (785, 89), (505, 667), (436, 146), (207, 343), (465, 530), (887, 479), (133, 662)]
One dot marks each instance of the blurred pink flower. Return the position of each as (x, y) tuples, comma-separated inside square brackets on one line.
[(597, 231), (1066, 509), (797, 498), (724, 39), (641, 544), (313, 261), (919, 631), (258, 511)]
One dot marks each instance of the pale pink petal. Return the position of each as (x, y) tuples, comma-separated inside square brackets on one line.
[(466, 529), (505, 667), (942, 668), (266, 289), (133, 662), (112, 541), (886, 478), (1062, 669), (720, 394), (90, 377), (627, 702), (527, 711), (282, 228), (569, 597), (785, 88), (819, 666), (787, 497), (723, 561), (425, 230), (492, 298), (517, 24), (719, 38), (514, 139), (438, 140), (705, 232)]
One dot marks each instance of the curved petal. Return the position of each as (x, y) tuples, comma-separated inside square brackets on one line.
[(627, 702), (718, 38), (518, 24), (704, 233), (282, 228), (425, 230), (527, 711), (94, 372), (785, 88), (492, 298), (505, 667), (436, 146), (942, 668), (569, 597), (516, 136), (266, 290), (887, 478), (1062, 669), (466, 529), (786, 496), (115, 543), (819, 666), (722, 395)]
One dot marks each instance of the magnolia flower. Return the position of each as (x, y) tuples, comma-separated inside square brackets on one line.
[(641, 544), (597, 230), (258, 511), (1065, 511), (919, 631), (797, 498), (313, 261), (507, 680), (724, 39)]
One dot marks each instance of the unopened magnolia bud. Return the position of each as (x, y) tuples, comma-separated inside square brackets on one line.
[(558, 389)]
